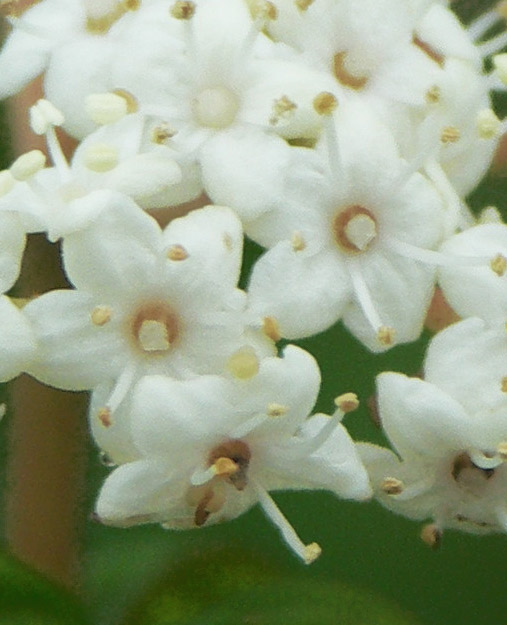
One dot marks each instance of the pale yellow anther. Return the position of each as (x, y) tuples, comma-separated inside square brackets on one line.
[(105, 108), (271, 329), (101, 315), (263, 10), (303, 5), (183, 10), (500, 65), (101, 158), (503, 384), (7, 182), (283, 108), (277, 410), (44, 115), (433, 95), (502, 450), (499, 264), (243, 364), (348, 402), (431, 535), (225, 467), (153, 336), (162, 133), (488, 124), (501, 9), (104, 416), (450, 134), (392, 486), (130, 99), (325, 103), (312, 552), (297, 242), (177, 252), (385, 335), (27, 165)]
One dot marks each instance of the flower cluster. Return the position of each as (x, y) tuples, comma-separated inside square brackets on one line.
[(342, 136)]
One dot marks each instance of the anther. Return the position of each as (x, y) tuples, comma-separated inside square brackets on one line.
[(183, 10), (271, 329), (297, 242), (348, 78), (177, 252), (44, 115), (161, 133), (502, 450), (225, 467), (392, 486), (7, 182), (488, 124), (385, 335), (503, 384), (433, 95), (303, 5), (101, 157), (450, 134), (348, 402), (500, 65), (243, 364), (283, 108), (27, 165), (312, 552), (106, 108), (130, 99), (104, 416), (101, 315), (432, 535), (499, 264), (325, 103), (264, 10), (131, 5), (277, 410)]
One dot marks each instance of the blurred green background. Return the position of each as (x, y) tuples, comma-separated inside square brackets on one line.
[(241, 572)]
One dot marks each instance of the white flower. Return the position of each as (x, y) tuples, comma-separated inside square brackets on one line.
[(450, 433), (211, 448), (352, 239), (17, 340), (120, 158), (145, 301), (12, 246)]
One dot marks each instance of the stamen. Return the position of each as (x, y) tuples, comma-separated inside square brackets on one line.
[(43, 116), (494, 45), (104, 416), (433, 95), (480, 26), (325, 103), (297, 242), (271, 329), (450, 134), (101, 157), (428, 50), (307, 553), (503, 384), (183, 10), (484, 461), (283, 108), (101, 315), (263, 11), (303, 5), (392, 486), (27, 165), (343, 73), (385, 334), (130, 99), (243, 364), (7, 182), (161, 133), (121, 388), (488, 124), (432, 535), (499, 264), (348, 402), (177, 253), (222, 467), (502, 450)]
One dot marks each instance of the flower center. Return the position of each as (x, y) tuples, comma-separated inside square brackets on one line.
[(468, 475), (216, 107), (354, 229), (231, 460), (155, 328), (348, 71)]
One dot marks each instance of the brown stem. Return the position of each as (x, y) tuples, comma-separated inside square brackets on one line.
[(47, 440)]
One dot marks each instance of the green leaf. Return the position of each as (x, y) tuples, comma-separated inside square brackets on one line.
[(27, 598), (241, 589)]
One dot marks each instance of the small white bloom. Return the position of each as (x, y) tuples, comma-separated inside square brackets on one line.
[(211, 448)]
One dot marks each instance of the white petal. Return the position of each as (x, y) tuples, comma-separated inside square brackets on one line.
[(305, 294), (23, 57), (12, 246), (17, 340), (419, 418)]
